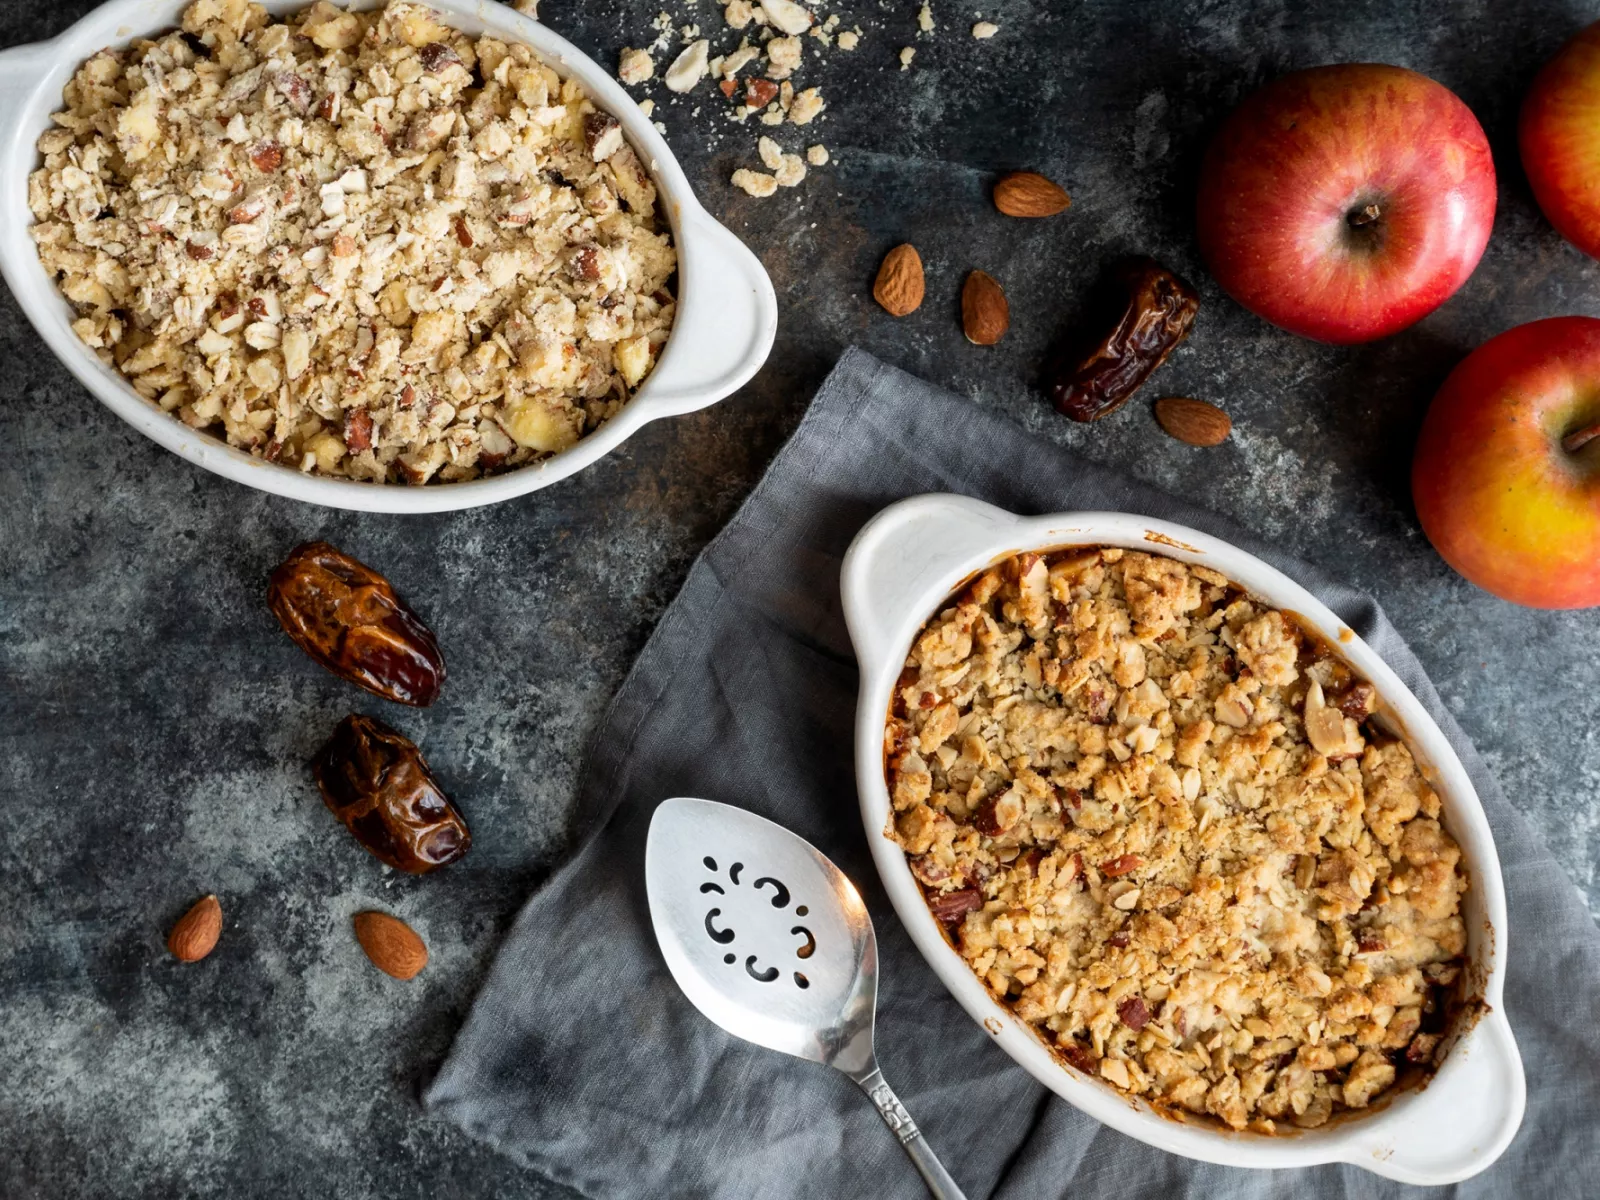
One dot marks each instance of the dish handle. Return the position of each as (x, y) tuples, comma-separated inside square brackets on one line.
[(1463, 1120), (898, 555), (727, 311)]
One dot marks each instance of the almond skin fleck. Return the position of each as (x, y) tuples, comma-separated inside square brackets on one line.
[(758, 93), (1121, 865), (357, 430), (436, 56), (267, 157)]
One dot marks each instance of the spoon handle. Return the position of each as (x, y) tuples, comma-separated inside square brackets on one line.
[(940, 1185)]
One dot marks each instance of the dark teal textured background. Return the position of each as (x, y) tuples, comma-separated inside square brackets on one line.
[(155, 723)]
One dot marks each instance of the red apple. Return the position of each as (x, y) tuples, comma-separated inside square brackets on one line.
[(1560, 137), (1345, 203), (1507, 473)]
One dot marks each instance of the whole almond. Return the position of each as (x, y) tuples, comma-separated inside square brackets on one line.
[(1193, 421), (1027, 194), (985, 315), (392, 945), (196, 933), (900, 286)]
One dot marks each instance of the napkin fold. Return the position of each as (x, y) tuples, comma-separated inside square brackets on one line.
[(581, 1058)]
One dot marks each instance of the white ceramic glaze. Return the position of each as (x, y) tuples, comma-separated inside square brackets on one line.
[(727, 312), (900, 570)]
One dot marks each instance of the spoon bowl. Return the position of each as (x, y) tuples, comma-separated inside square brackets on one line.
[(772, 942)]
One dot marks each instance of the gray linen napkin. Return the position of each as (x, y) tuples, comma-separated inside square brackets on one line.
[(583, 1060)]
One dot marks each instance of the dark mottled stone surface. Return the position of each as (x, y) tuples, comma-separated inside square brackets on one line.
[(155, 724)]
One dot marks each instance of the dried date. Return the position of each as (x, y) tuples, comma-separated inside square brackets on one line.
[(950, 907), (347, 617), (375, 780), (1135, 1015), (1357, 701), (1152, 311), (1080, 1056)]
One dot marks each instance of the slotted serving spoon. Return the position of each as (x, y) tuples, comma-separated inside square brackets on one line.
[(769, 940)]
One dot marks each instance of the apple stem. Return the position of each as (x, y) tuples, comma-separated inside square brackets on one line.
[(1579, 438), (1360, 218)]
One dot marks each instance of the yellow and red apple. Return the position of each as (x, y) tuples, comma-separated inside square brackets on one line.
[(1560, 137), (1507, 471), (1346, 202)]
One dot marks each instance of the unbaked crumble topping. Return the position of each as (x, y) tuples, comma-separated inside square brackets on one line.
[(362, 244)]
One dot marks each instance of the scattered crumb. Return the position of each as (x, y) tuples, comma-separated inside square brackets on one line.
[(741, 58), (663, 27), (783, 57), (771, 53), (792, 171), (528, 8), (635, 66), (754, 183), (788, 16), (788, 169), (647, 106), (689, 68), (807, 106)]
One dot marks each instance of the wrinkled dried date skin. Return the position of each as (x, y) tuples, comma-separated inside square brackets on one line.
[(951, 907), (1085, 382), (375, 780), (347, 617)]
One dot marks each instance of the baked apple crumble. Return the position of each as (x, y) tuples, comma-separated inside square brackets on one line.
[(361, 244), (1154, 818)]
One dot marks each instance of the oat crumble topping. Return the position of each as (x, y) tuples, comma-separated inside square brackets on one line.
[(366, 245), (1155, 819)]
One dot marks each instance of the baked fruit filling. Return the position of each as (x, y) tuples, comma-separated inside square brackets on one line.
[(1155, 818)]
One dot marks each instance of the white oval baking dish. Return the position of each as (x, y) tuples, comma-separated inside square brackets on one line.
[(727, 311), (900, 570)]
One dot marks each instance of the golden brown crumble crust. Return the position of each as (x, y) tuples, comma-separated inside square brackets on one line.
[(1155, 819)]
